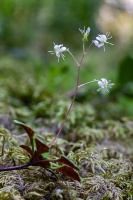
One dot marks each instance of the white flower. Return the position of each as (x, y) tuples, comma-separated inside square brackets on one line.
[(58, 51), (102, 39), (85, 33), (104, 84)]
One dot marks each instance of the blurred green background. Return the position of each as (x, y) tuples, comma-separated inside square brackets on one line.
[(29, 75)]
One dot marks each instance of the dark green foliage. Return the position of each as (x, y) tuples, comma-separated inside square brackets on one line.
[(125, 73), (25, 22), (69, 15)]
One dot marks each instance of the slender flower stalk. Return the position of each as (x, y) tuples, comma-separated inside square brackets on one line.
[(73, 57), (83, 47), (88, 47), (71, 105), (87, 83), (75, 93)]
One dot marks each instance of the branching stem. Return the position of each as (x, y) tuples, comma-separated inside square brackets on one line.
[(74, 96), (76, 90)]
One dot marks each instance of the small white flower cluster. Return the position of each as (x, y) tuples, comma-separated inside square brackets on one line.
[(85, 33), (58, 51), (104, 84), (102, 39), (99, 42)]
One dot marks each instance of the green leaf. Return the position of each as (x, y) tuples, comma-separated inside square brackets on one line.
[(45, 155), (54, 165)]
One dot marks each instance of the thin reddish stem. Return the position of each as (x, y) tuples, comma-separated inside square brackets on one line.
[(74, 96)]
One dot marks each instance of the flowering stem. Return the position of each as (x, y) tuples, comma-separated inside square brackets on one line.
[(87, 83), (73, 58), (89, 46), (74, 96), (85, 50), (62, 125), (83, 47)]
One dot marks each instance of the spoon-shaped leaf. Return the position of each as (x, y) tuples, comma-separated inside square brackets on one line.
[(29, 131), (68, 171), (42, 148)]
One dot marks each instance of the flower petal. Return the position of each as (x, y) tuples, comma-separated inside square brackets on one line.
[(63, 49), (100, 45), (100, 83), (104, 80), (58, 54), (104, 37), (96, 42), (88, 30), (56, 47), (99, 38)]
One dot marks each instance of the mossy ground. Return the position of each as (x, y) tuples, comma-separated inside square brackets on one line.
[(94, 138)]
